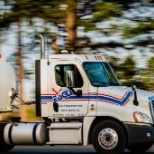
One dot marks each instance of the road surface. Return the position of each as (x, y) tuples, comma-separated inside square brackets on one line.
[(61, 150)]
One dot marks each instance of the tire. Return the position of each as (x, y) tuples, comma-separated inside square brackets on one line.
[(140, 147), (109, 137)]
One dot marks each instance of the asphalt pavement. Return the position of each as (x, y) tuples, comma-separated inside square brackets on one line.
[(61, 150)]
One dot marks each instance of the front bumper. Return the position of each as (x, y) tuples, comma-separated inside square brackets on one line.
[(139, 133)]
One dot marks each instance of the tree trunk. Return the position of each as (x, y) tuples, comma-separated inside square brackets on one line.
[(71, 24), (20, 72), (19, 58), (54, 44)]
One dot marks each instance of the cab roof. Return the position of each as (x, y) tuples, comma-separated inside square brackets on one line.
[(79, 57)]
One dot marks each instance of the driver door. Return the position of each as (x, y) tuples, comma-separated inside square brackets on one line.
[(69, 104)]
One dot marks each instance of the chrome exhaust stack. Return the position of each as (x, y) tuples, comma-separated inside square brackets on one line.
[(42, 53)]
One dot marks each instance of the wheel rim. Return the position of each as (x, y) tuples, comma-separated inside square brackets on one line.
[(108, 138)]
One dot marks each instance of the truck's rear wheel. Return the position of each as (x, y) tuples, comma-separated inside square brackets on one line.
[(140, 147), (109, 137)]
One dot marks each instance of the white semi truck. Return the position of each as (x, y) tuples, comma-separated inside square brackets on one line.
[(82, 102)]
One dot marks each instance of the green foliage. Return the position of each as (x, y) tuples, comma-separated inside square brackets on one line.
[(105, 11), (88, 14), (140, 28), (1, 41), (31, 112), (151, 65), (23, 9), (102, 11), (125, 70), (148, 74), (128, 74), (128, 67), (7, 118)]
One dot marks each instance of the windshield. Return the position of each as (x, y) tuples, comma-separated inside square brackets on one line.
[(100, 74)]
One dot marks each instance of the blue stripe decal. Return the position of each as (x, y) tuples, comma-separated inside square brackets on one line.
[(102, 98), (84, 97), (46, 97), (114, 100)]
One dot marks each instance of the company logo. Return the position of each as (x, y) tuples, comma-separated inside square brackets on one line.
[(63, 95), (57, 92), (56, 96)]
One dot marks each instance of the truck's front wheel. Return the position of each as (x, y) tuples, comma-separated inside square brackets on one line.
[(109, 137)]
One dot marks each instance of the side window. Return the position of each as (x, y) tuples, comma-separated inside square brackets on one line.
[(60, 75)]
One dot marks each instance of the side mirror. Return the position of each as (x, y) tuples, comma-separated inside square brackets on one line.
[(70, 82)]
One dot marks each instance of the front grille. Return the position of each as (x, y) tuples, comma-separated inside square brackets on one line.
[(152, 108)]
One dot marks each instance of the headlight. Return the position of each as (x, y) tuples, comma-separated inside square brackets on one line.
[(141, 117)]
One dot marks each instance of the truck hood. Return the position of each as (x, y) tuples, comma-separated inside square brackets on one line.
[(122, 95)]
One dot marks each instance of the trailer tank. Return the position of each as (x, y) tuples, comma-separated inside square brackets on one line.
[(8, 84)]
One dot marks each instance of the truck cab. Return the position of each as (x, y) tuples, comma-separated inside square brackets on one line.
[(82, 93)]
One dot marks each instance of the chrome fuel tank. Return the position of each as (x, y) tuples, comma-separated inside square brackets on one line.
[(25, 134)]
